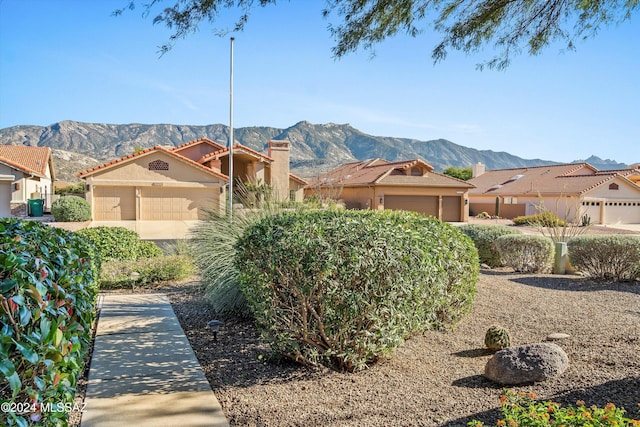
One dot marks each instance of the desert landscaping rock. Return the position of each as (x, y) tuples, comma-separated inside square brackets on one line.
[(557, 336), (527, 364)]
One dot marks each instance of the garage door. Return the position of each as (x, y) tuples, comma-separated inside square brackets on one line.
[(175, 204), (622, 213), (427, 205), (451, 208), (114, 203)]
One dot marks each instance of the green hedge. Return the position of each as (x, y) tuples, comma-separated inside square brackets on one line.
[(47, 307), (526, 253), (119, 243), (71, 209), (343, 288), (606, 257), (542, 219), (125, 274), (484, 237)]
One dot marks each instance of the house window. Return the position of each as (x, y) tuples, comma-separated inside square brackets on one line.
[(416, 171), (613, 186), (158, 165), (292, 195)]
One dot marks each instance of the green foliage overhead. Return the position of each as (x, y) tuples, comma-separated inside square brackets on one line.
[(343, 288), (484, 237), (460, 173), (47, 308), (71, 209), (510, 26), (606, 257)]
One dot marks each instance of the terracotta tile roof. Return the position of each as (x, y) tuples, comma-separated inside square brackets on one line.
[(237, 147), (27, 159), (382, 172), (297, 178), (196, 142), (145, 152), (556, 179)]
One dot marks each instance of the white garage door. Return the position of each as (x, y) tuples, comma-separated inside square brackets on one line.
[(622, 212), (175, 204), (114, 203)]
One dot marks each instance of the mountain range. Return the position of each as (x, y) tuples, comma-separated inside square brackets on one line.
[(315, 148)]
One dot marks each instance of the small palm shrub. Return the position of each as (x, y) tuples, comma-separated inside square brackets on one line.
[(71, 209), (484, 237), (542, 219), (343, 288), (606, 257), (119, 243), (526, 253), (145, 271), (47, 307)]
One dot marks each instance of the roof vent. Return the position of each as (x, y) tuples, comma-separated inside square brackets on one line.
[(515, 177)]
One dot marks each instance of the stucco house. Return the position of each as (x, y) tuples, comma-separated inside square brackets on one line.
[(181, 183), (569, 190), (25, 173), (403, 185)]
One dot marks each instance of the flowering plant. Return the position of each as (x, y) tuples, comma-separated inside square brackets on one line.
[(522, 410)]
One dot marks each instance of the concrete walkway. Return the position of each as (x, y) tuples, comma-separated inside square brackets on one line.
[(143, 371)]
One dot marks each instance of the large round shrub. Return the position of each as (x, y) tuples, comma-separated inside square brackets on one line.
[(606, 257), (47, 307), (343, 288), (71, 209), (119, 243), (526, 253), (484, 238)]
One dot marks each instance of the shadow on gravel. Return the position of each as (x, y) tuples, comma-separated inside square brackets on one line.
[(476, 381), (575, 283), (476, 352), (623, 393)]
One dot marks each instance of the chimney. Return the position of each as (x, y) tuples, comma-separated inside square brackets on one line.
[(279, 152), (477, 169)]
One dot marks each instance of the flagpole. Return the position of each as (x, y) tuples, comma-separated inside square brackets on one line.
[(231, 132)]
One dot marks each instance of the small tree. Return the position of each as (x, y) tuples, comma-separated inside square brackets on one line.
[(460, 173)]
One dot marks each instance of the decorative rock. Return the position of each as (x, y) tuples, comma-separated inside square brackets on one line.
[(526, 364), (557, 336)]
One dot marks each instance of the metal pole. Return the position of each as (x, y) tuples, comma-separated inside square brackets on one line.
[(231, 133)]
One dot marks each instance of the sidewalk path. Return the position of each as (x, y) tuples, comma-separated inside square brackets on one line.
[(143, 371)]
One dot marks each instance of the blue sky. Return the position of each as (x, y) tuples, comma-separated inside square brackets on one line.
[(72, 60)]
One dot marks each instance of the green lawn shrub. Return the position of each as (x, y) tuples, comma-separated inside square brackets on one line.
[(119, 243), (484, 237), (117, 274), (606, 257), (71, 209), (526, 253), (47, 308), (542, 219), (343, 288)]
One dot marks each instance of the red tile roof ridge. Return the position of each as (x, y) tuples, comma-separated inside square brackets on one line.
[(196, 141), (27, 158), (169, 151), (301, 180), (209, 156)]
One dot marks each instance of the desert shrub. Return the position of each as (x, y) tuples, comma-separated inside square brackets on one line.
[(520, 409), (526, 253), (606, 257), (145, 271), (542, 219), (484, 237), (119, 243), (343, 288), (71, 209), (148, 249), (47, 308)]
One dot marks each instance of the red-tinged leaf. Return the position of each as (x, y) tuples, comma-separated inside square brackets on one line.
[(56, 379), (12, 305), (44, 274)]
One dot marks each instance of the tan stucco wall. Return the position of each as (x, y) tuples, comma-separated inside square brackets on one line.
[(279, 152), (6, 182)]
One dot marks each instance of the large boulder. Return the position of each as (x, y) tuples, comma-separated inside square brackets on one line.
[(526, 364)]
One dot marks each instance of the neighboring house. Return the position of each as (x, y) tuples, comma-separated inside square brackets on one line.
[(25, 173), (182, 183), (569, 190), (407, 185)]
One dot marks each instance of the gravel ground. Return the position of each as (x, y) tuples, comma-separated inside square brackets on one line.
[(435, 379)]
